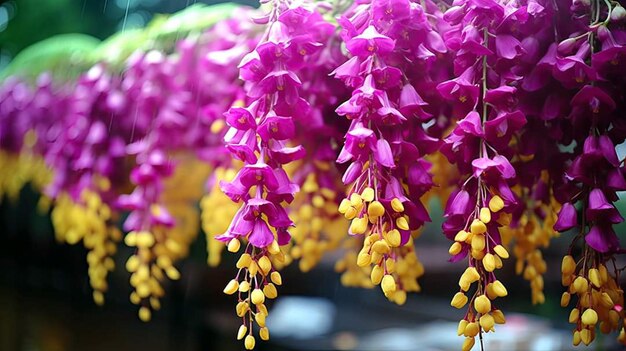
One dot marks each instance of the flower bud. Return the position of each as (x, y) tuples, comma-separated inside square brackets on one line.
[(499, 289), (388, 284), (397, 205), (375, 209), (574, 315), (461, 236), (231, 287), (589, 317), (478, 227), (265, 265), (501, 251), (498, 316), (376, 275), (487, 322), (393, 237), (459, 300), (485, 215), (568, 266), (468, 343), (565, 298), (249, 342), (496, 203), (276, 278), (264, 333), (454, 248), (594, 277), (482, 304), (242, 332), (234, 245), (257, 296), (461, 328), (270, 291), (489, 262), (471, 330), (367, 194), (402, 223)]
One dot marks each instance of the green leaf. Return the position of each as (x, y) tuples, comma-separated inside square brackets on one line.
[(63, 55)]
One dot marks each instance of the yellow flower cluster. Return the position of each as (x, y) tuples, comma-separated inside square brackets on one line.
[(158, 248), (318, 229), (395, 267), (255, 282), (20, 169), (530, 236), (485, 257), (599, 297), (89, 220)]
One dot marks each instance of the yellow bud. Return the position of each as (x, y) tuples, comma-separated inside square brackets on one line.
[(399, 297), (594, 277), (388, 284), (565, 298), (234, 245), (344, 206), (367, 194), (478, 227), (459, 300), (576, 338), (376, 275), (265, 265), (242, 332), (498, 316), (499, 289), (257, 296), (260, 319), (270, 291), (487, 322), (461, 236), (145, 314), (276, 278), (253, 268), (606, 300), (568, 266), (501, 251), (489, 262), (244, 261), (351, 213), (264, 333), (478, 242), (471, 330), (381, 247), (472, 274), (356, 200), (274, 248), (581, 285), (262, 309), (249, 342), (496, 204), (468, 343), (604, 273), (363, 259), (244, 286), (393, 237), (132, 264), (145, 239), (482, 304), (485, 215), (574, 315), (131, 239), (375, 209), (241, 308), (589, 317), (231, 287), (454, 248), (585, 336), (460, 330), (397, 205), (359, 225), (402, 223)]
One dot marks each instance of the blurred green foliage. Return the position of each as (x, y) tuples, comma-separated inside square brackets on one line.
[(34, 20)]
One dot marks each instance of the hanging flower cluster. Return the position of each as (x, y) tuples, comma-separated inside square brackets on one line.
[(318, 127)]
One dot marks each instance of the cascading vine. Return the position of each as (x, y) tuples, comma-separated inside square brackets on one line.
[(261, 126), (509, 112)]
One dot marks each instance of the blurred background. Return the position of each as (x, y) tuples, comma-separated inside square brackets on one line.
[(45, 298)]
